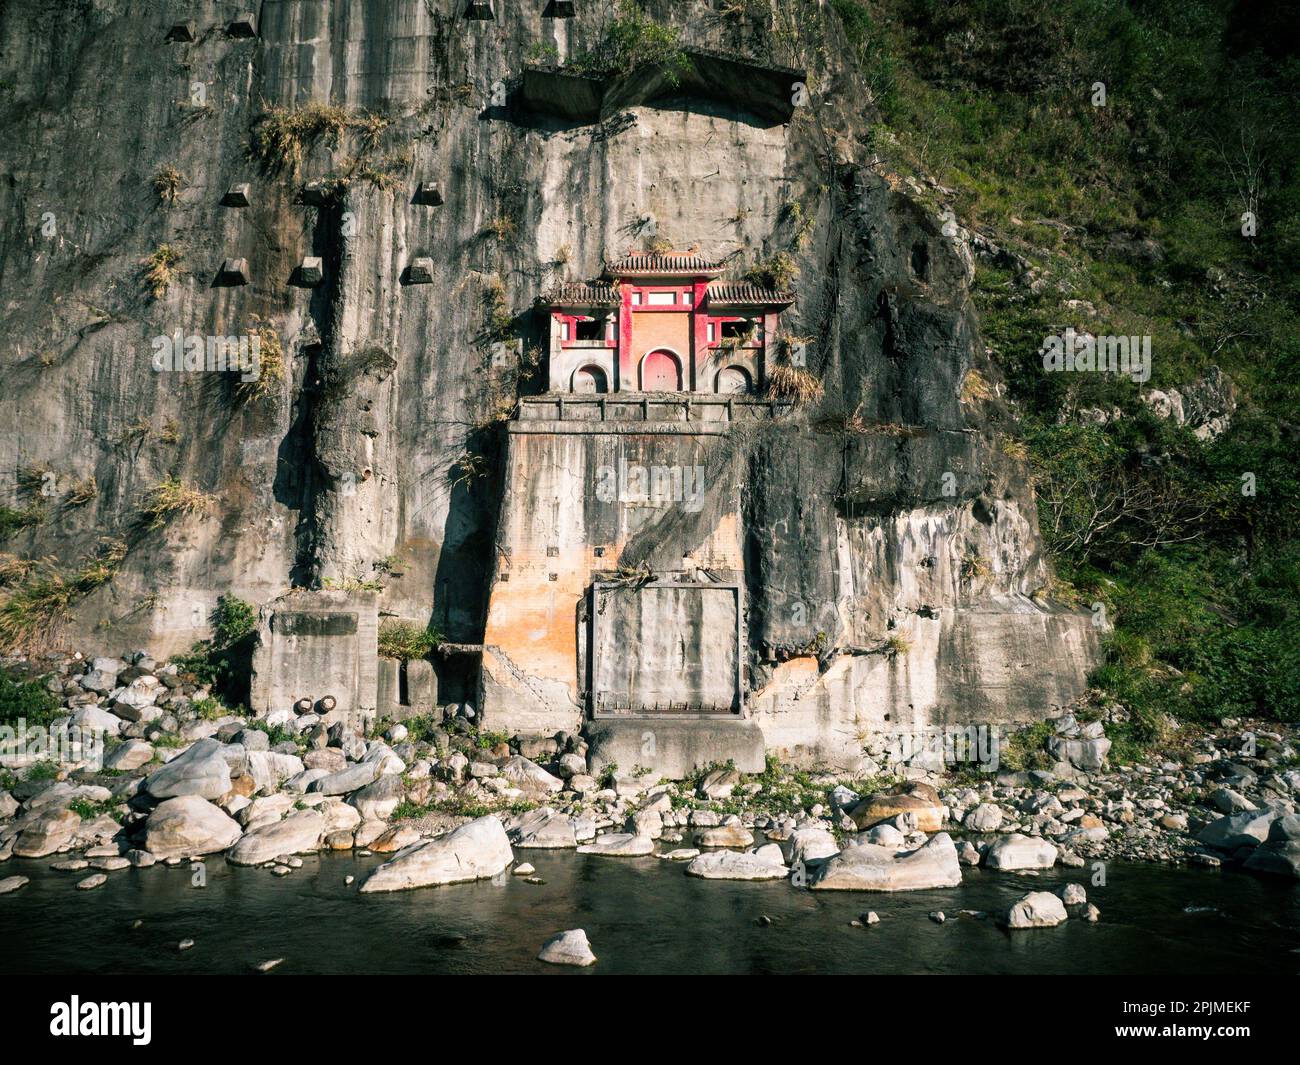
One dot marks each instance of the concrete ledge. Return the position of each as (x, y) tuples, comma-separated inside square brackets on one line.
[(674, 747)]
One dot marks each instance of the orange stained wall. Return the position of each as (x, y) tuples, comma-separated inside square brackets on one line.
[(661, 329)]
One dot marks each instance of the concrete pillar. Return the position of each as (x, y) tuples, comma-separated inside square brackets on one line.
[(421, 687), (388, 685)]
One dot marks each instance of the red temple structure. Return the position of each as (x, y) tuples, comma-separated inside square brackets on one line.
[(661, 323)]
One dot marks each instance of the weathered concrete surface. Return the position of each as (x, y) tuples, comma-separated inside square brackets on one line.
[(674, 747), (316, 644)]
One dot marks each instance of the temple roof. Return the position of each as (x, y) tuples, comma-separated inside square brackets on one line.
[(719, 293), (671, 264), (580, 294), (747, 294)]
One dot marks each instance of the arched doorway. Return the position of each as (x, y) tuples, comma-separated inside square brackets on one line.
[(733, 381), (590, 379), (661, 371)]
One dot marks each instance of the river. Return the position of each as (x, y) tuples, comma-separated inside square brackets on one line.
[(642, 915)]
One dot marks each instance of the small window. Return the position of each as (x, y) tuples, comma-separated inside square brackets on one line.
[(591, 328), (564, 331), (662, 299), (741, 330), (688, 298), (636, 299), (713, 334)]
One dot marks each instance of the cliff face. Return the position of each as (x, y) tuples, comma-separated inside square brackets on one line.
[(380, 456)]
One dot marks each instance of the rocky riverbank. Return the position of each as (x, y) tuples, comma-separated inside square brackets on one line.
[(182, 777)]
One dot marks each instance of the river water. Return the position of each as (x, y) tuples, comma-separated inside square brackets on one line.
[(642, 915)]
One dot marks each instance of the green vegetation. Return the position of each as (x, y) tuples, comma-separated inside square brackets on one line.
[(14, 519), (1125, 217), (223, 662), (1026, 748), (632, 40), (25, 699), (88, 811), (401, 639)]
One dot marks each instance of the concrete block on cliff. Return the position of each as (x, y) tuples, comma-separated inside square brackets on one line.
[(317, 644), (243, 26), (674, 748), (429, 194)]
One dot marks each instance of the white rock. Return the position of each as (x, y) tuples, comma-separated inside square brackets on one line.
[(542, 829), (567, 948), (809, 844), (1038, 909), (201, 771), (189, 825), (986, 817), (866, 867), (473, 851), (299, 833), (1018, 851), (765, 863), (620, 845)]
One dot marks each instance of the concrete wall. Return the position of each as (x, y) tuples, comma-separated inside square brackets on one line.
[(316, 644)]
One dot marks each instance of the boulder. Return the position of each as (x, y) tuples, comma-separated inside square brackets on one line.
[(270, 769), (50, 831), (719, 784), (354, 778), (986, 817), (1038, 909), (886, 835), (764, 863), (876, 808), (866, 867), (726, 836), (473, 851), (542, 829), (94, 717), (201, 771), (378, 800), (809, 844), (1018, 851), (1247, 829), (12, 883), (133, 754), (567, 948), (620, 845), (1088, 755), (264, 811), (394, 839), (1276, 858), (530, 777), (189, 825), (299, 833)]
